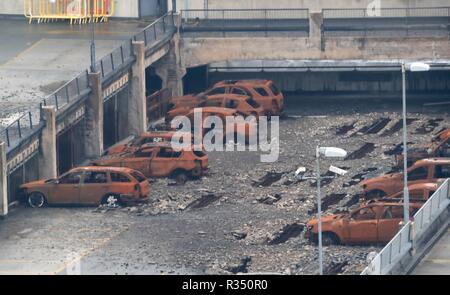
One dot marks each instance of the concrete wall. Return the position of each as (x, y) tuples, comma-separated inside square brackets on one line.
[(197, 51), (311, 4), (336, 83), (11, 7)]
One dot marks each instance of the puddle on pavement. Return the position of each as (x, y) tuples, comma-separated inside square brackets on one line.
[(328, 201), (344, 129)]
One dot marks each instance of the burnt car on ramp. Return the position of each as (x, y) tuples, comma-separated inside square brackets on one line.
[(133, 143), (88, 186), (373, 223), (439, 147), (161, 160), (422, 171)]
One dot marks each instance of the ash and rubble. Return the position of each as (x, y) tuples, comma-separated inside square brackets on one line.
[(276, 243)]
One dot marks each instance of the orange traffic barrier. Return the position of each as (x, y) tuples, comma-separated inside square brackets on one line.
[(76, 11)]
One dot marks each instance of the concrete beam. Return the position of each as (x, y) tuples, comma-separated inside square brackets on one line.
[(47, 151), (93, 135), (3, 181), (315, 29), (137, 101)]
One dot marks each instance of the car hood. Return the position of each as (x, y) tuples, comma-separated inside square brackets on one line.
[(325, 219), (34, 183), (380, 178)]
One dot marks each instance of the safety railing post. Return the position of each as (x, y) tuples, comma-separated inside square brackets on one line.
[(265, 22), (223, 22), (18, 128), (56, 101), (7, 137), (112, 61), (67, 93), (78, 85), (31, 120), (121, 54)]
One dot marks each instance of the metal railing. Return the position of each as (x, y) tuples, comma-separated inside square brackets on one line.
[(241, 20), (404, 240), (394, 21), (77, 88)]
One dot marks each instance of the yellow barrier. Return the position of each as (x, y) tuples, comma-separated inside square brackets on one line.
[(76, 11)]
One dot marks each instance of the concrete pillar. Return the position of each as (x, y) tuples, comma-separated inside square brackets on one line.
[(170, 69), (93, 135), (47, 151), (3, 181), (137, 102), (315, 29)]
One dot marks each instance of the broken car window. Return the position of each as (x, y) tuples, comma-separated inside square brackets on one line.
[(364, 214), (71, 178), (117, 177), (238, 91), (261, 91), (442, 171), (419, 173), (95, 177)]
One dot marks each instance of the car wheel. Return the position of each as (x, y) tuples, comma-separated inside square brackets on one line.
[(375, 194), (329, 239), (112, 200), (196, 172), (36, 200), (181, 178)]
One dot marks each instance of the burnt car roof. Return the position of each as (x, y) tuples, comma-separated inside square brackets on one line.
[(226, 111), (102, 169), (434, 161)]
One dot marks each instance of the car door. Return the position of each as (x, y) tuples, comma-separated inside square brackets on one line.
[(163, 164), (93, 187), (388, 223), (67, 189), (139, 161), (362, 226)]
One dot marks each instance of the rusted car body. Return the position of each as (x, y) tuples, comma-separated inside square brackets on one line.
[(417, 192), (422, 171), (440, 147), (238, 129), (376, 222), (88, 186), (243, 104), (133, 143), (160, 160), (263, 91)]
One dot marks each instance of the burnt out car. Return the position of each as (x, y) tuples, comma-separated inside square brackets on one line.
[(246, 129), (439, 147), (161, 160), (133, 143), (422, 171), (372, 223), (88, 186), (264, 92), (243, 104)]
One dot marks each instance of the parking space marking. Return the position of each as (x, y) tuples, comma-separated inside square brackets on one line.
[(438, 261)]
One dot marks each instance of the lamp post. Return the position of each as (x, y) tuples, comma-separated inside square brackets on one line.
[(413, 67), (328, 152), (92, 37)]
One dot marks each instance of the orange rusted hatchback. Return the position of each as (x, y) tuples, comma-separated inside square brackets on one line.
[(243, 104), (376, 222), (232, 129), (426, 170), (439, 147), (88, 186), (133, 143), (160, 160), (262, 91)]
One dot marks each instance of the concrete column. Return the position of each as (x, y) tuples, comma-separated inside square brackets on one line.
[(93, 135), (3, 181), (170, 69), (315, 29), (137, 102), (47, 150)]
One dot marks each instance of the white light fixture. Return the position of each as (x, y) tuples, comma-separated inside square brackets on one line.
[(332, 152), (418, 67)]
